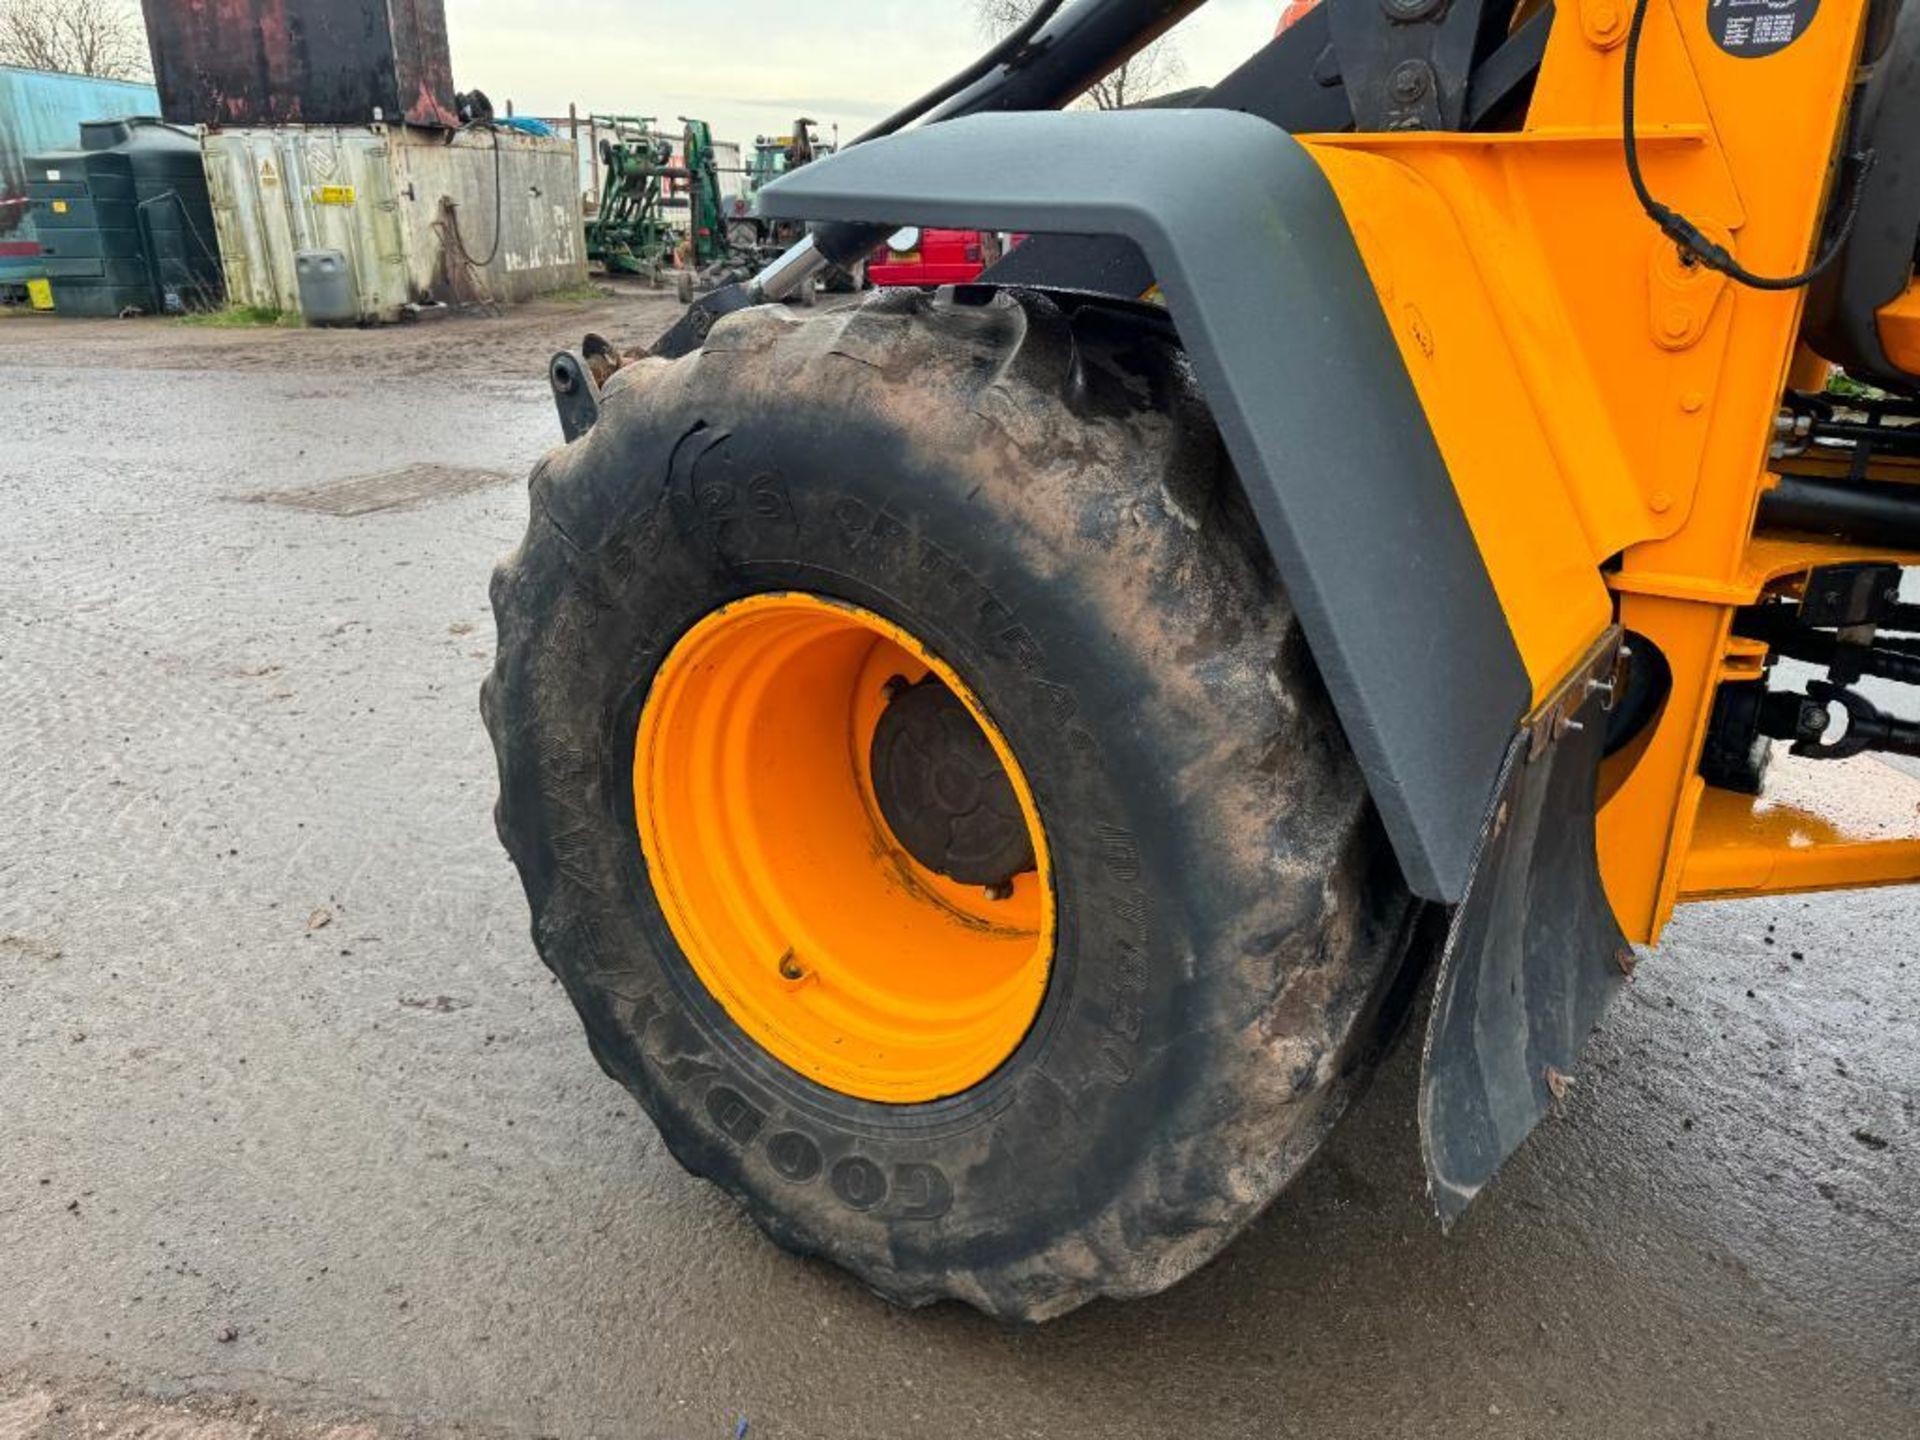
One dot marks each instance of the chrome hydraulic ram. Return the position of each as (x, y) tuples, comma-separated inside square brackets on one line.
[(1079, 42)]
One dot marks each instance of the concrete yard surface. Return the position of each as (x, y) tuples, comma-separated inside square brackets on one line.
[(299, 1139)]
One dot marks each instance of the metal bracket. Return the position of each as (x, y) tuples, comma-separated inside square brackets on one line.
[(575, 395), (1406, 64), (1681, 296), (1839, 597)]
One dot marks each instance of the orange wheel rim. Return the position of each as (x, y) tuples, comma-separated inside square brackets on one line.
[(802, 914)]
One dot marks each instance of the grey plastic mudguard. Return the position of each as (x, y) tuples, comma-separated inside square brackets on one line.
[(1286, 333)]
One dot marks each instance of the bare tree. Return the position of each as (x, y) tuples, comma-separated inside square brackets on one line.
[(1155, 71), (82, 37)]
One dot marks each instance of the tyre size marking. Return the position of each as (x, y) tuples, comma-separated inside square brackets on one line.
[(707, 497), (1126, 986), (767, 497), (1119, 852)]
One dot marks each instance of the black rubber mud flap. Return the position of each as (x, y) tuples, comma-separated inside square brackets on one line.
[(1534, 954)]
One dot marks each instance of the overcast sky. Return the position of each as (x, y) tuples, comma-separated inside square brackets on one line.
[(752, 66)]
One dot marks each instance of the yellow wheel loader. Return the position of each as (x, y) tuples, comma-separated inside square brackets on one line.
[(993, 769)]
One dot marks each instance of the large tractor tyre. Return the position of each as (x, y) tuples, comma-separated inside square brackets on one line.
[(924, 793)]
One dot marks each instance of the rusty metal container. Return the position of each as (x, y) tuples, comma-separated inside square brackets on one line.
[(302, 62)]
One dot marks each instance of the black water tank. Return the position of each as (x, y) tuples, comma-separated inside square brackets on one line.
[(125, 220)]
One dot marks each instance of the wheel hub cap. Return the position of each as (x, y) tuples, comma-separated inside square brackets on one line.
[(942, 790)]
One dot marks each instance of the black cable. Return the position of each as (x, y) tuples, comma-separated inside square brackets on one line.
[(1687, 235), (186, 216), (157, 273), (459, 240)]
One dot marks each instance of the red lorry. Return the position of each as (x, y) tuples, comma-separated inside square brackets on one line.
[(917, 257), (929, 258)]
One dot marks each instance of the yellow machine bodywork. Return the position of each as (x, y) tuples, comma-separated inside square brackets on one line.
[(1607, 409)]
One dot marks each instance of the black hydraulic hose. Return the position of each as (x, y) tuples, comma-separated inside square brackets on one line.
[(1895, 665), (1078, 44), (1776, 627), (1874, 512), (1084, 43), (459, 240), (1005, 51)]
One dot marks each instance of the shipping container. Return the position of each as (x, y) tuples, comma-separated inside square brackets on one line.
[(302, 62), (41, 110), (420, 215)]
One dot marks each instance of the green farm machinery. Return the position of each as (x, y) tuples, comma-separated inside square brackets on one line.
[(640, 228), (706, 224), (630, 234), (662, 212)]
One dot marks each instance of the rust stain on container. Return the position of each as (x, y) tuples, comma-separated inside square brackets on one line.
[(302, 62)]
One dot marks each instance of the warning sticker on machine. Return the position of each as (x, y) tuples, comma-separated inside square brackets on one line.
[(1750, 29), (331, 194)]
